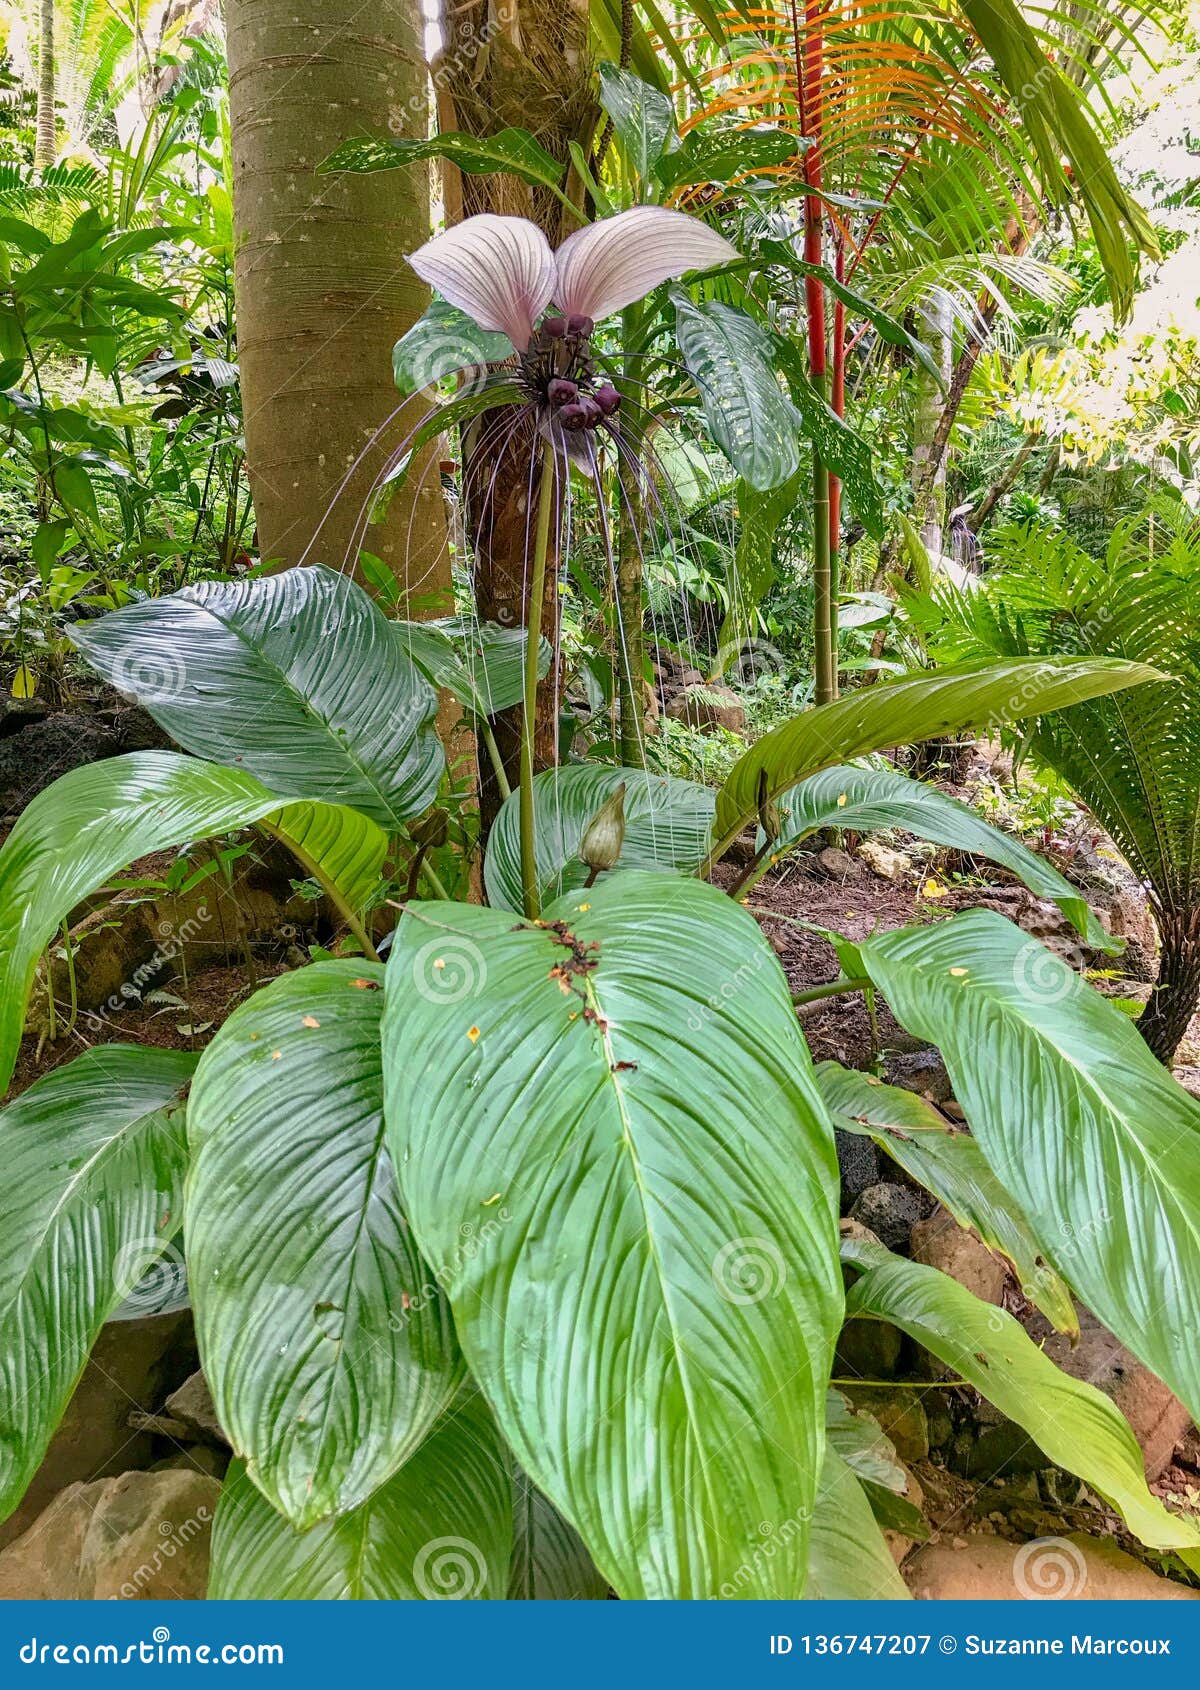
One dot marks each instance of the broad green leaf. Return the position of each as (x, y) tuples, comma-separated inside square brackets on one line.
[(708, 157), (1095, 1140), (643, 118), (94, 1155), (948, 1162), (341, 847), (865, 799), (295, 1230), (101, 817), (481, 663), (1073, 1424), (442, 343), (513, 151), (297, 677), (729, 357), (618, 1104), (496, 393), (439, 1529), (911, 708), (550, 1562), (667, 824), (840, 448), (849, 1560)]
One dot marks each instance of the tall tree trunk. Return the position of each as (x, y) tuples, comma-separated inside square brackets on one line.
[(928, 459), (44, 147), (522, 63), (322, 289)]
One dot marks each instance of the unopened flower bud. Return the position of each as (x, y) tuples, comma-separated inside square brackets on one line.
[(561, 391), (554, 328), (579, 326), (591, 411), (604, 835), (608, 399), (573, 416), (431, 831)]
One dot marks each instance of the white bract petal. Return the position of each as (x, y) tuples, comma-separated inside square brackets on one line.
[(499, 270), (610, 264)]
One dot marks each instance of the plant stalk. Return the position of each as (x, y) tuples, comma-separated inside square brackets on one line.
[(537, 594)]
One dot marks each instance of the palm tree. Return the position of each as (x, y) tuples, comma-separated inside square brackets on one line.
[(1134, 760), (43, 155)]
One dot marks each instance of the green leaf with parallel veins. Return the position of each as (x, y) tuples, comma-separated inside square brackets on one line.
[(481, 663), (865, 799), (840, 448), (849, 1560), (101, 817), (730, 359), (94, 1153), (618, 1104), (667, 823), (1095, 1140), (297, 677), (550, 1562), (1073, 1424), (903, 711), (513, 151), (295, 1229), (949, 1163), (643, 118), (705, 157), (440, 1528), (887, 327), (442, 343)]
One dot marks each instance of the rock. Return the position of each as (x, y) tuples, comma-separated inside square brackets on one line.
[(196, 1458), (901, 1416), (990, 1444), (940, 1242), (838, 864), (132, 1363), (1187, 1450), (691, 678), (1158, 1418), (140, 1536), (868, 1349), (897, 1541), (883, 861), (1073, 1569), (192, 1404), (707, 708), (858, 1161), (922, 1071), (891, 1212)]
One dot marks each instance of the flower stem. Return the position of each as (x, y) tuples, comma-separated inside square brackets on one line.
[(533, 632)]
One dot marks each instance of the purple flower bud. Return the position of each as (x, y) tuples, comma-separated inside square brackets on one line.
[(573, 416), (561, 391), (608, 399), (579, 325), (554, 328), (591, 411)]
